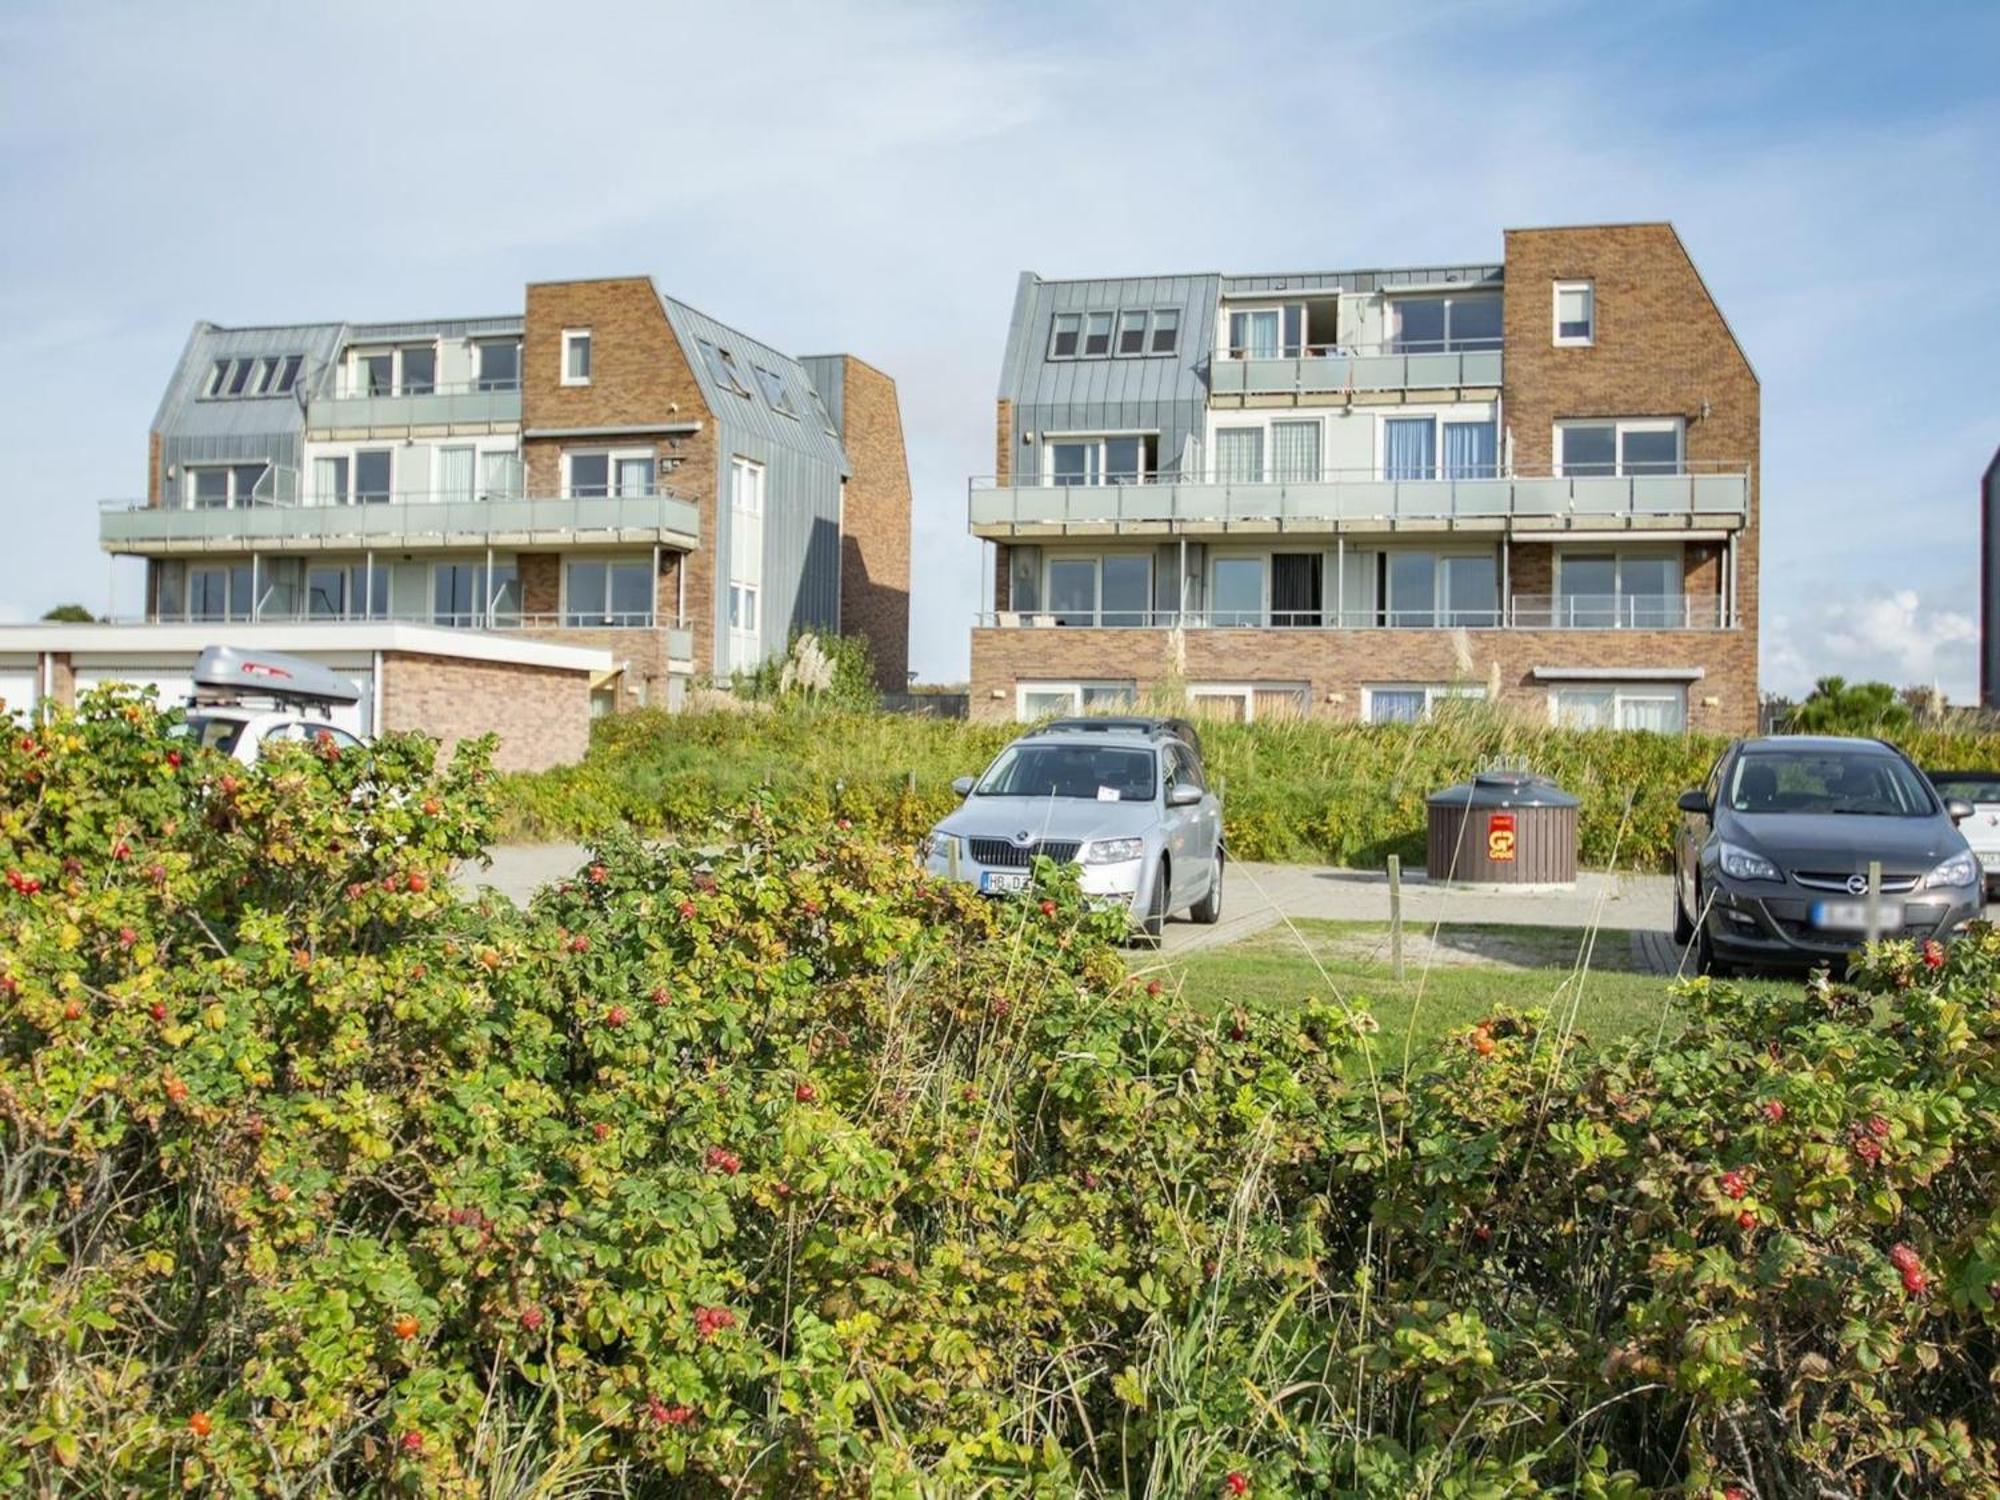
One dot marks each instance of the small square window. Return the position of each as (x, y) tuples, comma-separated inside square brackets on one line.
[(1097, 335), (1166, 330), (576, 356), (773, 387), (1131, 333), (1062, 341), (420, 367), (500, 366), (1576, 312)]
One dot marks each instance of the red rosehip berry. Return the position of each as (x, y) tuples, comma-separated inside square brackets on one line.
[(805, 1093), (1933, 954), (660, 995), (600, 1129), (176, 1090), (1868, 1150), (709, 1321), (392, 882), (1915, 1282), (842, 824), (598, 874), (1735, 1184), (121, 850), (1746, 1220), (411, 1442), (356, 891), (580, 943), (432, 807), (200, 1424), (1237, 1033), (615, 1016), (1153, 987), (1482, 1233), (1048, 908), (1774, 1110), (1236, 1483), (417, 880), (73, 1010), (686, 910), (405, 1327), (156, 873), (531, 1320), (1903, 1257), (1878, 1127), (174, 759), (728, 1163), (157, 1011), (782, 1189)]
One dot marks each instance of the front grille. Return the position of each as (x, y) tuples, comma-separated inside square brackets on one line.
[(1836, 880), (1005, 854)]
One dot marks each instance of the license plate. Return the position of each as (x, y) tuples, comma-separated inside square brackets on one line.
[(1990, 861), (999, 882), (1852, 916)]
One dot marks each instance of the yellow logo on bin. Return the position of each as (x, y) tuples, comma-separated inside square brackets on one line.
[(1500, 837)]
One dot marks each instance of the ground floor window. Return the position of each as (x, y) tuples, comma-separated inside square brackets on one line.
[(1040, 700), (1250, 702), (1412, 702), (1660, 707)]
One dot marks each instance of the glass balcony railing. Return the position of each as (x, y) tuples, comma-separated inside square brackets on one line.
[(416, 520), (1522, 612), (679, 633), (1331, 369), (479, 402)]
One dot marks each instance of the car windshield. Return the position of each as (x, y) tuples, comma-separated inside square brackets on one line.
[(1969, 786), (1828, 781), (215, 734), (1095, 773)]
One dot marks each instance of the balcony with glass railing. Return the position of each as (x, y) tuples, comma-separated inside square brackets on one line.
[(415, 404), (500, 615), (409, 520), (1349, 369), (1675, 612), (1311, 499)]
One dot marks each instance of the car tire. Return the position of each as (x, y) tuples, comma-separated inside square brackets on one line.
[(1208, 910), (1154, 924), (1683, 925), (1705, 959)]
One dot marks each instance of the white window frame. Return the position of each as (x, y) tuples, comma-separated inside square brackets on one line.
[(611, 458), (1109, 315), (1619, 427), (1622, 693), (1434, 693), (571, 336), (1056, 321), (1100, 440), (1394, 297), (1227, 351), (1075, 687), (1153, 331), (1119, 327), (1260, 556), (610, 560), (233, 497), (1588, 287), (1246, 694), (351, 359), (744, 605), (478, 352), (1050, 560)]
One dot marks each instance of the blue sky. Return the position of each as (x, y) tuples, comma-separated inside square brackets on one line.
[(872, 177)]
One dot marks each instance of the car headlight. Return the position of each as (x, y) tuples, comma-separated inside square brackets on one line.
[(934, 846), (1112, 851), (1959, 870), (1740, 864)]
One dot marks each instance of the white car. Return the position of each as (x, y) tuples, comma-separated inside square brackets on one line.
[(242, 733), (245, 700), (1982, 829)]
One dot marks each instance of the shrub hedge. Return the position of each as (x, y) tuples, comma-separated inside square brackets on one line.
[(780, 1169), (1345, 794)]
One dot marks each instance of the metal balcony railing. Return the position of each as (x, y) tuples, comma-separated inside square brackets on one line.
[(1401, 364), (1617, 612), (372, 520), (1310, 497), (678, 631), (469, 403)]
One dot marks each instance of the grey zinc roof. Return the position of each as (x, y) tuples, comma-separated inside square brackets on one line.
[(751, 413), (184, 411), (1031, 378)]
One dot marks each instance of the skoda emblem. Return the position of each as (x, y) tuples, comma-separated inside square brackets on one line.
[(1024, 838), (1857, 885)]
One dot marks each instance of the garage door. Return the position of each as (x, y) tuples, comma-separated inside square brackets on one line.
[(17, 688)]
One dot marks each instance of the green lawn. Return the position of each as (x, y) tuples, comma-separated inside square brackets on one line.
[(1451, 978)]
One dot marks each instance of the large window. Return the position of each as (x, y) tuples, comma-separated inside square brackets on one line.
[(363, 477), (456, 468), (1239, 455), (463, 595), (613, 592), (1619, 589), (408, 370), (1575, 312), (1625, 705), (1409, 448), (1064, 334), (220, 592), (1267, 332), (1132, 332), (594, 474), (218, 486), (1114, 589), (353, 591), (1425, 590), (1619, 446), (1126, 333), (1097, 460), (253, 375), (1295, 451), (1435, 447), (372, 476), (498, 365), (1236, 591), (1041, 700), (1411, 703), (1248, 702), (1430, 324), (420, 368)]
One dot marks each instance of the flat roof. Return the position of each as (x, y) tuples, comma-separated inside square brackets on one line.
[(306, 635)]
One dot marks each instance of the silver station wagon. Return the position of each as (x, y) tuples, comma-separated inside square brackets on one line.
[(1126, 799)]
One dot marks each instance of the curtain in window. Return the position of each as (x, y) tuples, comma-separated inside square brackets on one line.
[(1295, 588), (1239, 455), (329, 480), (1254, 335), (1395, 705), (1471, 450), (499, 475), (1410, 448), (635, 476), (455, 473), (1295, 449), (1662, 715)]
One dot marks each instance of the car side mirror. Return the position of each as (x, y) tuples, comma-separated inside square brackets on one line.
[(1694, 800), (1183, 794), (962, 785), (1957, 809)]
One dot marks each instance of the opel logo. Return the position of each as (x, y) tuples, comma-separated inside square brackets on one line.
[(1857, 885)]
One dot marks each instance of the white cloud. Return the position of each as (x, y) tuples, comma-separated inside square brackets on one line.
[(1888, 637)]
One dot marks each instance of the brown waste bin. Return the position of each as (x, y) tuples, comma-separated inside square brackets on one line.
[(1507, 828)]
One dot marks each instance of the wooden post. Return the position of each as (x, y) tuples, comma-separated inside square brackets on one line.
[(1396, 918)]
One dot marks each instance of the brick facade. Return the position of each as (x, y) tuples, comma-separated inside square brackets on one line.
[(1336, 665), (875, 522), (639, 377), (543, 712)]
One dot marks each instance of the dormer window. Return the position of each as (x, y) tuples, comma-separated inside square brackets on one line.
[(1166, 330), (722, 368), (773, 386), (268, 375), (1063, 337)]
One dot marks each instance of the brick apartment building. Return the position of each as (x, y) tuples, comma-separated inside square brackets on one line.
[(1354, 493), (607, 469)]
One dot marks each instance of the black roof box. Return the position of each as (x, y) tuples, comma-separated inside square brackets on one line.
[(232, 672)]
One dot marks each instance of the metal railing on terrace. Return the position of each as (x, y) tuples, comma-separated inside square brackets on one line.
[(1524, 612), (432, 403), (370, 519), (1330, 497), (1400, 364), (678, 630)]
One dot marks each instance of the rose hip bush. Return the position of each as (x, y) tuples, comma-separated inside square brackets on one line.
[(763, 1164)]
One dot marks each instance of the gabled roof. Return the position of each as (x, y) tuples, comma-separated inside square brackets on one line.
[(805, 431)]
